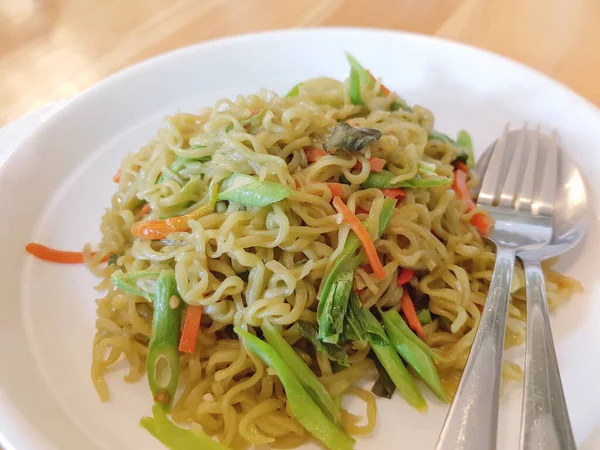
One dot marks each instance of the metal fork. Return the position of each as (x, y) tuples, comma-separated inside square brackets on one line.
[(518, 190)]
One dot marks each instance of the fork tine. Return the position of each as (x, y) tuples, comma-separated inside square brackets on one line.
[(543, 203), (491, 178), (525, 198), (513, 182)]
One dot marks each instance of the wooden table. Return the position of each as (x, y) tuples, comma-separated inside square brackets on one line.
[(50, 49)]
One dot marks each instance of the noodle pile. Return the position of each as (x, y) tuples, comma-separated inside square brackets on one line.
[(246, 265)]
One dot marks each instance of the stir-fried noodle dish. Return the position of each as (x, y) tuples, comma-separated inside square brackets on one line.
[(267, 257)]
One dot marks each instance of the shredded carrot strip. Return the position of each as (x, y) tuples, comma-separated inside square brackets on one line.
[(191, 326), (314, 154), (377, 164), (481, 221), (337, 189), (117, 176), (394, 193), (51, 254), (405, 276), (462, 167), (363, 235), (385, 91), (360, 210), (145, 210), (408, 309)]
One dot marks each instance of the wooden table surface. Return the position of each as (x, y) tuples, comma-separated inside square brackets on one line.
[(51, 49)]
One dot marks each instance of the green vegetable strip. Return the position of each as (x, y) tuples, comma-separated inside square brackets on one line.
[(424, 316), (383, 180), (354, 88), (295, 90), (307, 377), (249, 191), (163, 357), (464, 141), (125, 282), (414, 356), (308, 413), (177, 438), (336, 290), (394, 319), (362, 73), (333, 352), (389, 359)]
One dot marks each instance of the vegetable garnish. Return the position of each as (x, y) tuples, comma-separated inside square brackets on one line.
[(145, 210), (383, 180), (250, 191), (377, 164), (465, 143), (295, 90), (354, 88), (314, 154), (191, 326), (351, 139), (60, 256), (385, 91), (333, 352), (117, 176), (304, 408), (408, 309), (394, 193), (363, 235), (337, 189), (425, 316), (161, 228), (405, 276), (163, 359), (176, 438), (481, 221)]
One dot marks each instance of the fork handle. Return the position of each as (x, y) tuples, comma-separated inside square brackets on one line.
[(471, 423), (545, 421)]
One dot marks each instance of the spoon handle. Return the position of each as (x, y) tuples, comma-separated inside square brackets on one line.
[(545, 421), (471, 423)]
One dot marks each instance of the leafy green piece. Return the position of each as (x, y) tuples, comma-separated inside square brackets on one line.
[(354, 88), (112, 260), (307, 377), (180, 162), (249, 191), (351, 139), (334, 352), (397, 106), (304, 408), (424, 316), (437, 136), (384, 386), (295, 90), (361, 72), (177, 438), (126, 282), (464, 142)]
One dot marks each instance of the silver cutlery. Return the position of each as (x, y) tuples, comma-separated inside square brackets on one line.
[(518, 191)]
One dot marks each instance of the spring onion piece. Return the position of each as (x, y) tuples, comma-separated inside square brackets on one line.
[(370, 330), (354, 88), (295, 90), (383, 180), (304, 408), (249, 191), (338, 283), (333, 352), (163, 357), (418, 359), (305, 375), (126, 282), (424, 316), (351, 139), (177, 438)]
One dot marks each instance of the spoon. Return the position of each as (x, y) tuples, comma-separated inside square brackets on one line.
[(545, 420)]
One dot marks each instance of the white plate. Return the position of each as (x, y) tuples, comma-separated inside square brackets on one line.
[(56, 184)]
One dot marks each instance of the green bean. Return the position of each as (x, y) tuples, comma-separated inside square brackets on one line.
[(177, 438), (304, 408), (418, 359), (307, 377), (163, 356)]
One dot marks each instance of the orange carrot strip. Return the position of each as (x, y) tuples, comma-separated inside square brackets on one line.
[(50, 254), (462, 167), (385, 91), (377, 164), (408, 309), (482, 222), (360, 210), (363, 235), (394, 193), (191, 326), (337, 189), (145, 210), (459, 184), (117, 176), (405, 276), (314, 154)]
